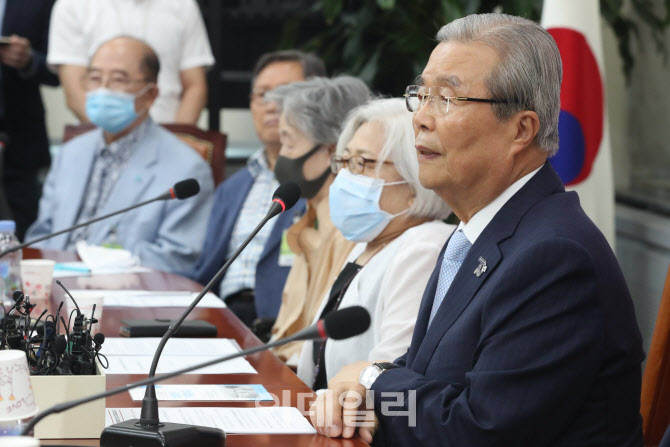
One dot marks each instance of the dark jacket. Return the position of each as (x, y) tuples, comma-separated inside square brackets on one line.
[(28, 146), (270, 276), (542, 349)]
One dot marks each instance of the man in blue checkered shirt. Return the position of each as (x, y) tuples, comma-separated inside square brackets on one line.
[(253, 284)]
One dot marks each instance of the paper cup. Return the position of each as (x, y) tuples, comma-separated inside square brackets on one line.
[(86, 299), (36, 277), (18, 402)]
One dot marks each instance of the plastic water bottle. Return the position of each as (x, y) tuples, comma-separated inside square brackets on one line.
[(10, 264)]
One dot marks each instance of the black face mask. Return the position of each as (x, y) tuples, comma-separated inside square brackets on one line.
[(290, 170)]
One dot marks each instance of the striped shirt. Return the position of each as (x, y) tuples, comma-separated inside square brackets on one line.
[(110, 160), (242, 273)]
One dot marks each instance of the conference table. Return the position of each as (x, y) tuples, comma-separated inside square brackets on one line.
[(273, 374)]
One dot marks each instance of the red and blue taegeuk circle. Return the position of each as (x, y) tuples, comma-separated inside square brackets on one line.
[(580, 125)]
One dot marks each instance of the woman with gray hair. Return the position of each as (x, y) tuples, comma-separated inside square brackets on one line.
[(378, 201), (313, 113)]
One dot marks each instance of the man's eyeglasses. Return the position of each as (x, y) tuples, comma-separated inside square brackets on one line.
[(355, 164), (438, 99), (94, 81), (258, 98)]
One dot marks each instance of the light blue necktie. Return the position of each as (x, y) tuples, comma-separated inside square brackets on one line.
[(456, 251)]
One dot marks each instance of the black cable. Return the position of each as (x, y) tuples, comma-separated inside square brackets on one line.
[(67, 334), (37, 321), (104, 365), (68, 329)]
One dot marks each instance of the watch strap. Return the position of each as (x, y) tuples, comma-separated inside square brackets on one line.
[(385, 366)]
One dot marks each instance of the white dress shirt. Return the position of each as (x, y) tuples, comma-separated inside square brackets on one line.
[(390, 286), (479, 221), (173, 28)]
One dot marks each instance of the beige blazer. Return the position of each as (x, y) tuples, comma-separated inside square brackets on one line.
[(320, 252)]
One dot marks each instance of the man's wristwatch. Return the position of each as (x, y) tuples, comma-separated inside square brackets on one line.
[(370, 374)]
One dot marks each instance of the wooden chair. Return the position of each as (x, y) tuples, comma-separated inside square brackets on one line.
[(210, 144), (655, 398)]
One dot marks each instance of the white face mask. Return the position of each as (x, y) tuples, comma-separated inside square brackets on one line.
[(354, 206)]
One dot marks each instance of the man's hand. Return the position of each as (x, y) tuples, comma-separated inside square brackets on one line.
[(17, 54), (341, 410)]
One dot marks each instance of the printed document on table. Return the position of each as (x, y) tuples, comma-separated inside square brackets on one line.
[(144, 298), (213, 347), (141, 364), (70, 269), (263, 420), (206, 393)]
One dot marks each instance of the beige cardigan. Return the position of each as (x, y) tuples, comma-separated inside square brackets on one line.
[(320, 252)]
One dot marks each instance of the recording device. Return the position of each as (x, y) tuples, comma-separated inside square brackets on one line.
[(148, 428), (48, 351), (79, 356), (158, 327), (338, 325), (181, 190)]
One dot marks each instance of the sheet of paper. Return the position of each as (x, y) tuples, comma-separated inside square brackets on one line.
[(264, 420), (141, 364), (70, 269), (206, 393), (214, 347), (102, 258), (142, 298)]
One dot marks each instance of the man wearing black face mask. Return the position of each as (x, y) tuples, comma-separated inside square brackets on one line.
[(252, 286), (313, 114)]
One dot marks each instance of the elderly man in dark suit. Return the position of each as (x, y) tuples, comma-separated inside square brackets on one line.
[(25, 30), (526, 335)]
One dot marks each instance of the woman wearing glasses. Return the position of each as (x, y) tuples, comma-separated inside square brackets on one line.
[(312, 116), (377, 200)]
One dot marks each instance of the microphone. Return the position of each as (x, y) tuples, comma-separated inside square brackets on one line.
[(98, 340), (284, 198), (343, 323), (149, 426), (18, 297), (181, 190)]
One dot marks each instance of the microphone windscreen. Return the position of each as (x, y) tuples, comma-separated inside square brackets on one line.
[(288, 193), (60, 344), (99, 338), (346, 322), (186, 188), (17, 296)]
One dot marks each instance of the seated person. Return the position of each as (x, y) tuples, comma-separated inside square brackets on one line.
[(526, 335), (313, 113), (242, 200), (378, 201), (129, 160), (173, 28)]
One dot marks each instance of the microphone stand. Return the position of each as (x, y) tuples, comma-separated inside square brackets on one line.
[(181, 190), (118, 436), (83, 224), (148, 428)]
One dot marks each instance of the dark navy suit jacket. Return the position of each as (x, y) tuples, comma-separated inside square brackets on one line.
[(270, 276), (542, 349), (28, 146)]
